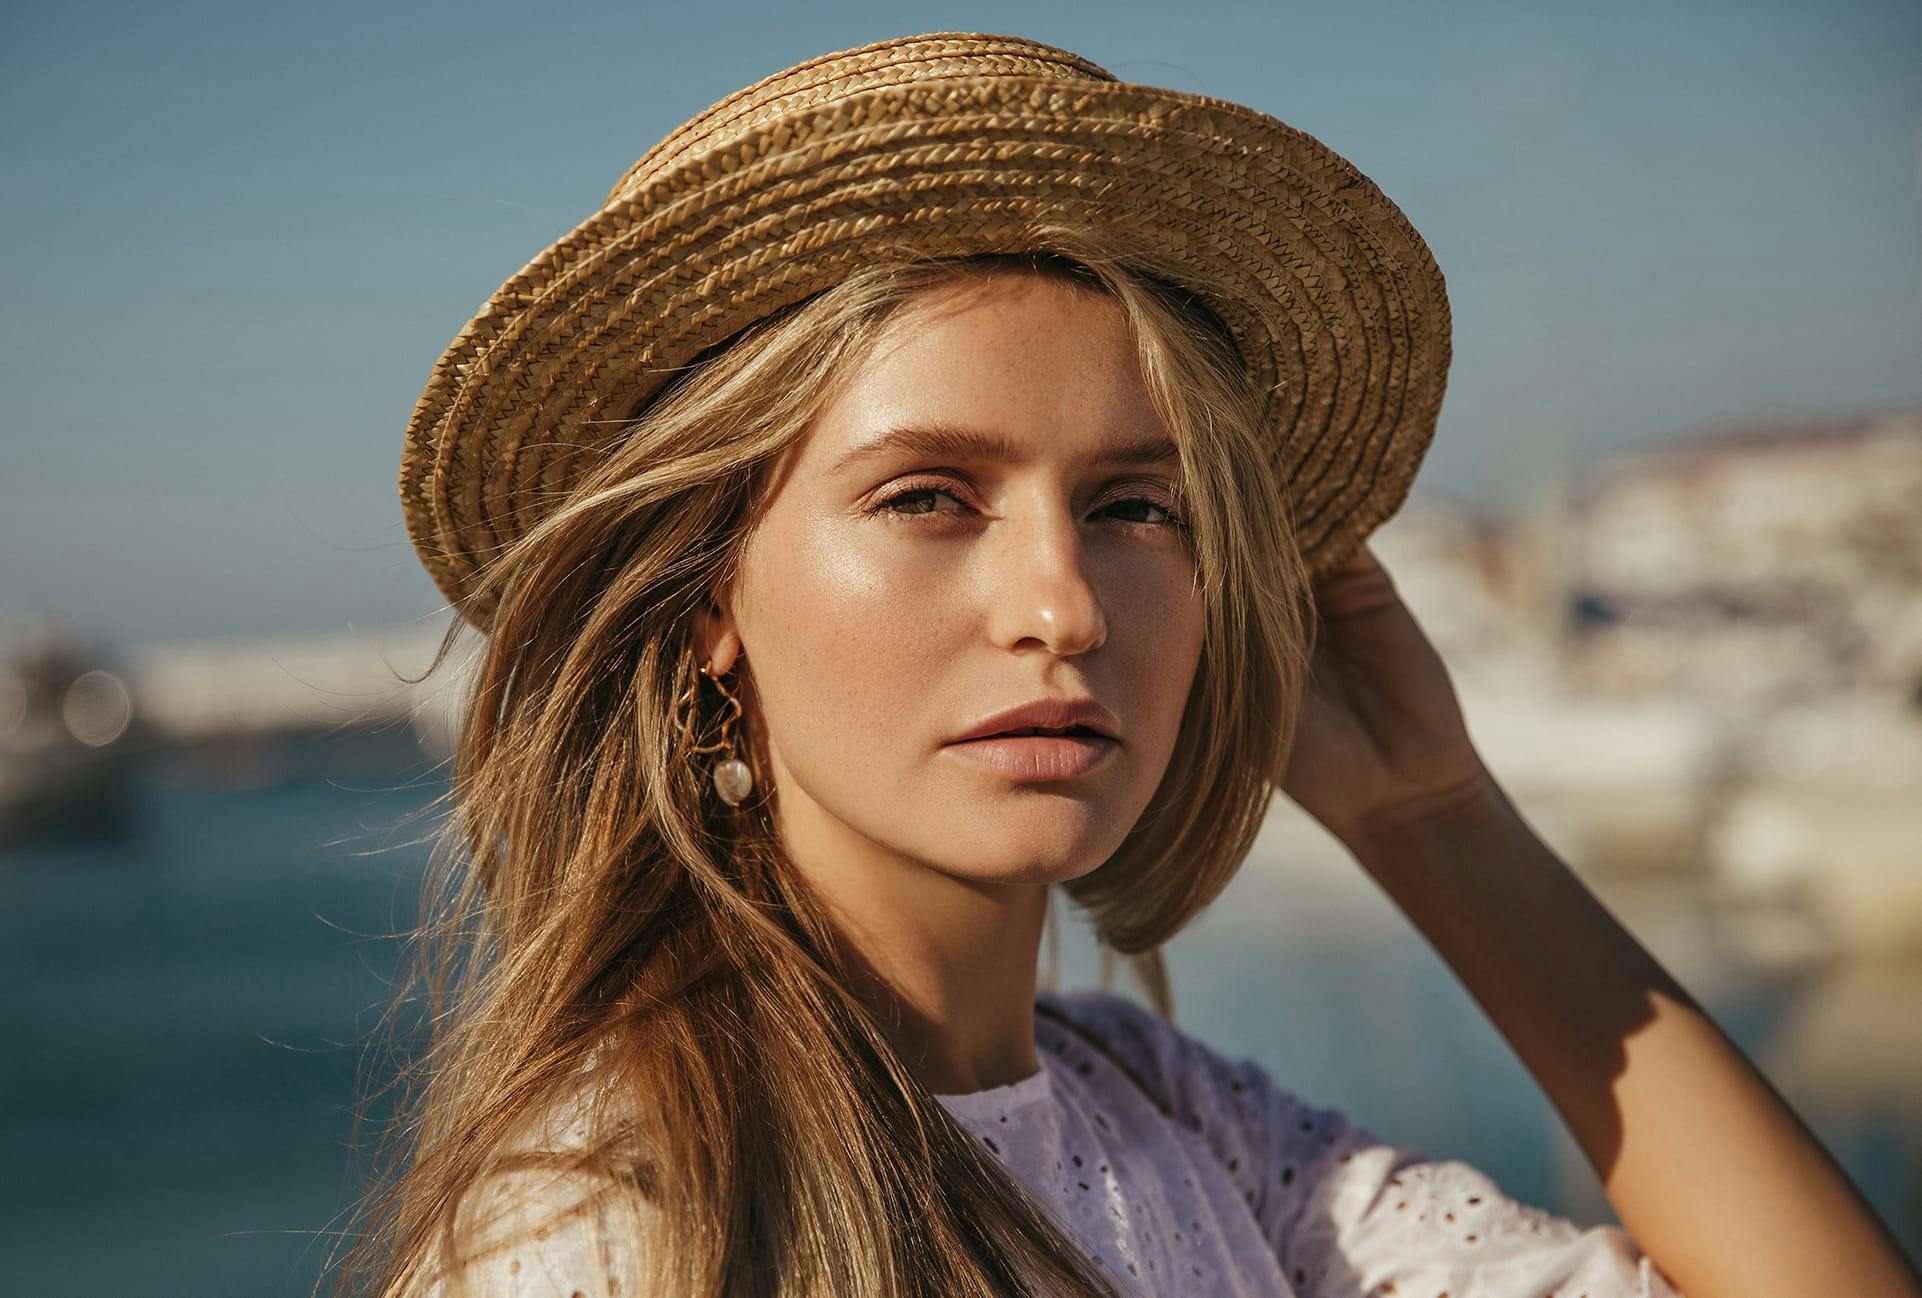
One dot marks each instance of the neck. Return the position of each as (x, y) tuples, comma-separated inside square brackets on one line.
[(948, 964)]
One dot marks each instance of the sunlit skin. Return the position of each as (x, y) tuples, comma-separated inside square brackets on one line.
[(887, 605), (874, 637)]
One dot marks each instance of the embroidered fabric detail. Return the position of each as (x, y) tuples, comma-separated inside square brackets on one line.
[(1212, 1179)]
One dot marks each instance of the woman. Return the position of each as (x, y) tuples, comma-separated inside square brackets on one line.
[(905, 406)]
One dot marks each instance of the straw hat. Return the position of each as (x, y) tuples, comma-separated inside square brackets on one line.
[(931, 145)]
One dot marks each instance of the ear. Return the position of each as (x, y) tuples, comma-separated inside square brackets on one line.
[(717, 640)]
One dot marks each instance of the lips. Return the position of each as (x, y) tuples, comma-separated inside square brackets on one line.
[(1065, 716), (1037, 755)]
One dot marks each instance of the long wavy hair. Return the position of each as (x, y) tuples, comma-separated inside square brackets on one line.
[(594, 911)]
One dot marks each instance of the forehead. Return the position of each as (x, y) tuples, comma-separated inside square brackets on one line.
[(1016, 365)]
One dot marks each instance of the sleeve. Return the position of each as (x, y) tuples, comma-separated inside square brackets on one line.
[(542, 1226), (1351, 1214), (542, 1234)]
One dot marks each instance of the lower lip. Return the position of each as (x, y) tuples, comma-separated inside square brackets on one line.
[(1036, 757)]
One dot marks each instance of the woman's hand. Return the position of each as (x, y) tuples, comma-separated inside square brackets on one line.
[(1380, 738)]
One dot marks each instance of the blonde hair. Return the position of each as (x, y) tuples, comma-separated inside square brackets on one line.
[(594, 910)]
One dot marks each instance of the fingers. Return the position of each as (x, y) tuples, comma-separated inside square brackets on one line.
[(1359, 585)]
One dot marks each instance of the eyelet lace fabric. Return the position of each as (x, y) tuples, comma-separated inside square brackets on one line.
[(1183, 1173)]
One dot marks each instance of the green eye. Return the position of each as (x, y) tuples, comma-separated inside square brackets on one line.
[(915, 495), (917, 502)]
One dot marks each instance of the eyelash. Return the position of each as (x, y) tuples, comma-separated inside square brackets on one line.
[(885, 505)]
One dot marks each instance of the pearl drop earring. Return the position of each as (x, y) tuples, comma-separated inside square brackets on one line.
[(733, 778)]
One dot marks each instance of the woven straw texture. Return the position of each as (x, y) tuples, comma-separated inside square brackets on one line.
[(925, 146)]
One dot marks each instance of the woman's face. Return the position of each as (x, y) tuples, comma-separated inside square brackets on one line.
[(899, 592)]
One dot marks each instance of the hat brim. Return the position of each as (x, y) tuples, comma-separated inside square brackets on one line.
[(1335, 301)]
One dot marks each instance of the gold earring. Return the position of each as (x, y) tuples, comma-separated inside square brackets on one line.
[(733, 778)]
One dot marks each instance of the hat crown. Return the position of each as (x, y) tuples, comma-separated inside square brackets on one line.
[(940, 145), (935, 56)]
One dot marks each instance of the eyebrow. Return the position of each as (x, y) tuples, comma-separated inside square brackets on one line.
[(952, 441)]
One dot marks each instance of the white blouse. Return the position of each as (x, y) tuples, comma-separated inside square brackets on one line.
[(1179, 1172)]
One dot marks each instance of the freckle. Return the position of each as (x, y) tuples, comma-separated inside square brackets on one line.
[(514, 1267), (1287, 1175), (1082, 1184), (1476, 1198), (1401, 1205), (1471, 1239), (541, 1233), (1449, 1216), (1389, 1287), (1305, 1125)]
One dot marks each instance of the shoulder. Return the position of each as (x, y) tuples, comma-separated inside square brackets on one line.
[(1193, 1078), (1333, 1199), (1125, 1030), (1275, 1145), (554, 1215), (544, 1232), (1228, 1101)]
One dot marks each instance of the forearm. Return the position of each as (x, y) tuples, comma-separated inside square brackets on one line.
[(1711, 1172)]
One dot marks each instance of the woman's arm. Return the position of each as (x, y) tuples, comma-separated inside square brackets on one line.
[(1714, 1177), (1711, 1172)]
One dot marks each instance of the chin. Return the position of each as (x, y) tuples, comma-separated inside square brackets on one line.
[(1026, 850), (1029, 873)]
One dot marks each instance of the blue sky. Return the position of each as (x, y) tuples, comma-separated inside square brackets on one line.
[(238, 236)]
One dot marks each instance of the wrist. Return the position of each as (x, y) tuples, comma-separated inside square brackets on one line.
[(1410, 828)]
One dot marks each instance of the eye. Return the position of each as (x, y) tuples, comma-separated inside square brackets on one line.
[(1168, 516), (915, 497), (917, 500)]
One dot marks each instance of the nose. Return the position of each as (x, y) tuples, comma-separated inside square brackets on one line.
[(1042, 590)]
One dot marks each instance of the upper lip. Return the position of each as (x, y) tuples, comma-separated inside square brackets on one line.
[(1047, 714)]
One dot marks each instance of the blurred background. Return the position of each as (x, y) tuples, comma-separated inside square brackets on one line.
[(1669, 538)]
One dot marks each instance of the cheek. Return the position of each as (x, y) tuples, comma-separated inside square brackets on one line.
[(867, 651), (843, 638), (1161, 635)]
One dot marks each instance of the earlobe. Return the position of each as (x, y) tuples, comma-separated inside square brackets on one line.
[(716, 640)]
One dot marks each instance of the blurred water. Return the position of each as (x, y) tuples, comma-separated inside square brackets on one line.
[(176, 1119), (180, 1011)]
